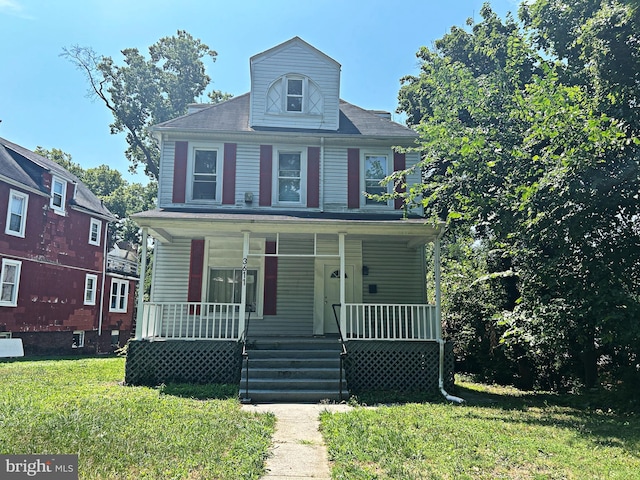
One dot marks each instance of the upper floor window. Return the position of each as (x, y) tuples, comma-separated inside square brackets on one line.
[(58, 194), (290, 177), (294, 94), (205, 181), (90, 286), (376, 169), (17, 213), (9, 282), (119, 294), (94, 231)]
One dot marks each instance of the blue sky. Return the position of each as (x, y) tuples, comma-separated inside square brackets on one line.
[(43, 99)]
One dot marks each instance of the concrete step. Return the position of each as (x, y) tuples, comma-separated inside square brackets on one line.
[(291, 396), (294, 343), (292, 373), (292, 384), (294, 354), (293, 363)]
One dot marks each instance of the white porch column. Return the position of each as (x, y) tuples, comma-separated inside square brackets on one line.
[(243, 298), (141, 275), (343, 296), (436, 266)]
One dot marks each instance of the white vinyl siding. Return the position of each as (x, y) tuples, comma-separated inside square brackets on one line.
[(247, 174), (301, 61), (17, 213), (399, 278), (165, 185), (171, 271)]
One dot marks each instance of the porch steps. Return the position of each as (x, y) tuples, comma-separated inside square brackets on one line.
[(293, 369)]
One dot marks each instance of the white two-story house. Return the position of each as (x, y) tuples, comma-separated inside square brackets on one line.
[(265, 238)]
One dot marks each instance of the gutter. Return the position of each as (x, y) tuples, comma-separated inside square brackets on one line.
[(451, 398)]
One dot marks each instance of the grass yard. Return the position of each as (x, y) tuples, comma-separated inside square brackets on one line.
[(78, 407), (499, 434)]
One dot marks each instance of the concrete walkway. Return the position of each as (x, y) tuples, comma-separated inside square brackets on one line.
[(298, 451)]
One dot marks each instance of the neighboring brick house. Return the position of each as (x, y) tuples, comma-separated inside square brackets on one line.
[(56, 292)]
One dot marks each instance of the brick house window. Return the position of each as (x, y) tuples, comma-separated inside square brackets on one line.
[(90, 285), (9, 282), (78, 339), (17, 213), (95, 229), (58, 195), (119, 294)]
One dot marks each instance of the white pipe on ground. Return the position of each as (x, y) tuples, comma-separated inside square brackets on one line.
[(451, 398)]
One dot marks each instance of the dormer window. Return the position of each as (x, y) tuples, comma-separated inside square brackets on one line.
[(294, 94), (58, 194)]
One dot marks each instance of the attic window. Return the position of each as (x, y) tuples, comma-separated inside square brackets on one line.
[(294, 94), (58, 194)]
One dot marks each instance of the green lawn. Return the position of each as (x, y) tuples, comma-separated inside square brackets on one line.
[(79, 407), (498, 434)]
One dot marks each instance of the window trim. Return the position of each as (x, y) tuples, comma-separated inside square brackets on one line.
[(191, 162), (13, 302), (363, 179), (275, 177), (80, 334), (63, 196), (118, 296), (25, 208), (5, 335), (88, 277), (303, 96), (98, 224)]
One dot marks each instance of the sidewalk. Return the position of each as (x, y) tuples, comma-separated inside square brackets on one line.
[(298, 451)]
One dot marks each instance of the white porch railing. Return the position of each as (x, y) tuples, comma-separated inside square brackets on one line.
[(391, 322), (190, 321)]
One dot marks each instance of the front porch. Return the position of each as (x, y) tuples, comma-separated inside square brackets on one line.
[(239, 281)]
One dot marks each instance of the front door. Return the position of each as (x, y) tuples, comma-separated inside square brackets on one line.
[(332, 294)]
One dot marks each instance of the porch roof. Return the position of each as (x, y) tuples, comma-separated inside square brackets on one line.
[(166, 224)]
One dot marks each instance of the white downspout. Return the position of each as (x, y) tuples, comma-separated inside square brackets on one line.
[(104, 275), (436, 262), (141, 277)]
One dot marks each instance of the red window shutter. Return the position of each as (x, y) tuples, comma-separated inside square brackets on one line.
[(196, 264), (266, 165), (353, 178), (313, 177), (180, 171), (270, 280), (229, 172), (399, 163)]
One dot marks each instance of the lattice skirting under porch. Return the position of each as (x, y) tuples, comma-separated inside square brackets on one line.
[(179, 361), (397, 366)]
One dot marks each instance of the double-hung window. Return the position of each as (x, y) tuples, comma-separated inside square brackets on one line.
[(90, 285), (225, 286), (17, 213), (119, 294), (294, 94), (94, 231), (290, 177), (205, 183), (376, 169), (58, 194), (9, 282)]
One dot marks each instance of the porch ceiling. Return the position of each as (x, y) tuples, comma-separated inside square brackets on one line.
[(166, 225)]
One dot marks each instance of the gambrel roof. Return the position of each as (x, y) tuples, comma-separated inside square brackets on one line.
[(233, 116), (24, 168)]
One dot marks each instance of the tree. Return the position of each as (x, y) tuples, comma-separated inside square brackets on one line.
[(143, 92), (541, 182)]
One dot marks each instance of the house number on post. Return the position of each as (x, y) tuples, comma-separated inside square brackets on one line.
[(244, 271)]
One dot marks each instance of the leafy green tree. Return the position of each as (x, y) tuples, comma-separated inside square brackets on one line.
[(145, 91), (543, 182)]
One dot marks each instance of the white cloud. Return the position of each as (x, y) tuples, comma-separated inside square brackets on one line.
[(13, 7)]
